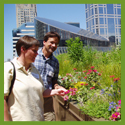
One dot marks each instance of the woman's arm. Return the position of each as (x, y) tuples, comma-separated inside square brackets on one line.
[(6, 115), (49, 92)]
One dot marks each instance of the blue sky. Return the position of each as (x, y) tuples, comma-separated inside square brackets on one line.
[(58, 12)]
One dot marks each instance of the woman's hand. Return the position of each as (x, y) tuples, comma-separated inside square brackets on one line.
[(60, 92)]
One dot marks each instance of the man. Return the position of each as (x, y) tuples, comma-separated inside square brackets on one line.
[(48, 67)]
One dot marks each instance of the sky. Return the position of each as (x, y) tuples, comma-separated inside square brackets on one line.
[(58, 12)]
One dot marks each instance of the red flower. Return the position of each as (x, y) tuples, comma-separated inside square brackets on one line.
[(90, 70), (116, 79), (99, 74), (86, 84), (92, 67), (94, 70), (74, 69), (92, 88), (87, 73), (112, 76), (84, 71), (85, 77)]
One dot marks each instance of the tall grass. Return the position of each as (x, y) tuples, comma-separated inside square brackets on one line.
[(107, 63)]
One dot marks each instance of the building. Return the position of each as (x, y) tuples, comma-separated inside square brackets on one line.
[(24, 29), (25, 13), (104, 20), (73, 23), (66, 31), (41, 26)]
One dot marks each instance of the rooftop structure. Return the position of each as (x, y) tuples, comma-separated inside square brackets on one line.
[(66, 31)]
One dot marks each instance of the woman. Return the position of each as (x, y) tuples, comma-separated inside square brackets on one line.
[(25, 102)]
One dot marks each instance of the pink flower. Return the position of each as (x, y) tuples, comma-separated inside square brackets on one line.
[(70, 89), (118, 107), (63, 78), (66, 98), (72, 93), (67, 92), (70, 75), (115, 116), (119, 102), (99, 74), (81, 84)]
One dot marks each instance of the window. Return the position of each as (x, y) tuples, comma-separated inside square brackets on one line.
[(110, 9), (86, 15), (100, 10), (95, 10), (105, 21), (119, 11), (106, 31), (96, 20), (119, 31), (86, 6), (101, 31), (87, 24), (101, 20), (111, 28), (119, 21), (116, 22), (92, 12), (97, 31), (92, 21), (104, 10)]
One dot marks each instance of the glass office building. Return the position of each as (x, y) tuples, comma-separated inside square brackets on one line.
[(66, 31), (73, 23), (24, 29), (104, 20)]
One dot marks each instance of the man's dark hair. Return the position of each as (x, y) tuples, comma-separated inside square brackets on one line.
[(26, 42), (51, 34)]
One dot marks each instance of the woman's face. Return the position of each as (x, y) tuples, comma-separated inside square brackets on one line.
[(31, 53)]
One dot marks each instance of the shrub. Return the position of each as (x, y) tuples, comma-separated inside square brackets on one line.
[(75, 49)]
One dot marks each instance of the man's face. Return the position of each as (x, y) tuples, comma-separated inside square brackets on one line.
[(51, 44)]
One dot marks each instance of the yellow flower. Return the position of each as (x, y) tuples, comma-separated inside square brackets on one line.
[(79, 84)]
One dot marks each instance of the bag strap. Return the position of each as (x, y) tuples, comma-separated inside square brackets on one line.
[(14, 76)]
